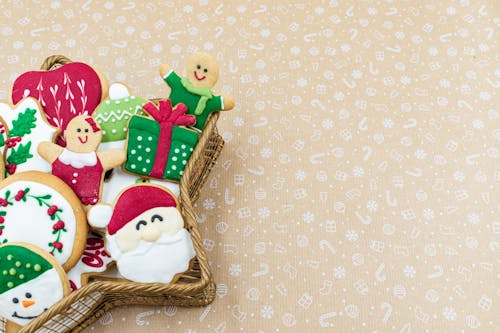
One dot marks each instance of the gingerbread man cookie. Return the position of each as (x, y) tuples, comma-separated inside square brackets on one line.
[(79, 165), (195, 90)]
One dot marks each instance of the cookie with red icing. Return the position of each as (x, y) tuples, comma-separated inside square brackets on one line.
[(64, 93), (40, 209), (145, 234), (79, 164)]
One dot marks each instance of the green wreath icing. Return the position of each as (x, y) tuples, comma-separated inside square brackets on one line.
[(19, 265)]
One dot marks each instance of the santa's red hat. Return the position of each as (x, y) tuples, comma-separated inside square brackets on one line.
[(134, 201)]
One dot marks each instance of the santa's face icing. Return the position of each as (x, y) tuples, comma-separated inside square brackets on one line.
[(202, 70), (149, 227), (151, 261), (82, 135), (27, 301)]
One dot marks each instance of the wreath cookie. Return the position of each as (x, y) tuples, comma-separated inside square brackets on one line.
[(40, 209)]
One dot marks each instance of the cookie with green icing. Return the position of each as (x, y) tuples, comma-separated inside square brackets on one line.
[(31, 281), (113, 114)]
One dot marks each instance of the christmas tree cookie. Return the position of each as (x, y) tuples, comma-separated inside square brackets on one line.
[(31, 281), (113, 114), (160, 147), (40, 209), (195, 90), (27, 127)]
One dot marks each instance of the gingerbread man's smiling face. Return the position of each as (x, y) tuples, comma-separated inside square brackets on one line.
[(83, 135), (202, 70)]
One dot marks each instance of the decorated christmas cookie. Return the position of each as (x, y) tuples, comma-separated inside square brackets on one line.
[(160, 147), (31, 281), (145, 234), (4, 136), (64, 93), (27, 127), (94, 260), (79, 165), (119, 180), (195, 90), (40, 209), (113, 114)]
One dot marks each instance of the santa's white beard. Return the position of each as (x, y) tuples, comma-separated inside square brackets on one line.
[(158, 261)]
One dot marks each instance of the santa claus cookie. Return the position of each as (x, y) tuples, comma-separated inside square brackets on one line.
[(94, 260), (195, 90), (27, 127), (40, 209), (31, 281), (145, 234), (79, 165)]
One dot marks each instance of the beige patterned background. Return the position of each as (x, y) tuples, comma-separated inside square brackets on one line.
[(358, 190)]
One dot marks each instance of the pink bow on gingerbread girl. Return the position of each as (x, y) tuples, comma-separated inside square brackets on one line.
[(79, 164)]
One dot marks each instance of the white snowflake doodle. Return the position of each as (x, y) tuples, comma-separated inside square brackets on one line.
[(267, 312), (409, 271), (372, 206), (209, 204), (351, 235), (449, 313), (339, 272), (235, 269)]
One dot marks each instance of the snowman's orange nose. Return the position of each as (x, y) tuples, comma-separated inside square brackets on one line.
[(28, 303)]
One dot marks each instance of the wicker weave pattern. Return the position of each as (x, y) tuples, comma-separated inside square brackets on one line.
[(194, 288)]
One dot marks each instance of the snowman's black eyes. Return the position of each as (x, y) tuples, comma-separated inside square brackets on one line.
[(15, 300), (205, 70), (78, 130), (198, 66), (86, 130), (28, 295)]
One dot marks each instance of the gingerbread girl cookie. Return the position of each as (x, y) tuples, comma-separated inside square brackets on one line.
[(79, 165), (195, 90)]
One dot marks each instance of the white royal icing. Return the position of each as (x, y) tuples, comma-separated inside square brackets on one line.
[(45, 291), (78, 160), (158, 261), (41, 132), (30, 223)]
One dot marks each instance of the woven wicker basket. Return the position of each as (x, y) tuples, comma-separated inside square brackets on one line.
[(194, 288)]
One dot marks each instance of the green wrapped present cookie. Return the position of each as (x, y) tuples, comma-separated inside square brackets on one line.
[(160, 147)]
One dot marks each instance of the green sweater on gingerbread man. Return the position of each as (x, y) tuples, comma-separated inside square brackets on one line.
[(199, 101)]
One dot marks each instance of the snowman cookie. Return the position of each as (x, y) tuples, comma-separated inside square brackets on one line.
[(40, 209), (145, 234), (31, 281), (27, 127), (79, 165), (195, 90)]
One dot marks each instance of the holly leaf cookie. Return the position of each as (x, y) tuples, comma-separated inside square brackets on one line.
[(27, 127), (113, 114), (64, 93), (40, 209), (31, 281)]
